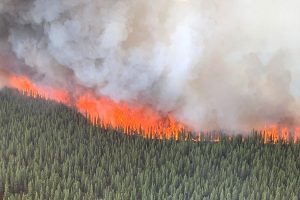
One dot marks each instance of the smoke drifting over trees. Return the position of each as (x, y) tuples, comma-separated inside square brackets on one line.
[(213, 64)]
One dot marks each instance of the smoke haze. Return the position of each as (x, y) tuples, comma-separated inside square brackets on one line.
[(212, 64)]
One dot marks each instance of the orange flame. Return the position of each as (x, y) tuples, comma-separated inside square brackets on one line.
[(137, 119), (131, 119), (276, 133), (24, 85)]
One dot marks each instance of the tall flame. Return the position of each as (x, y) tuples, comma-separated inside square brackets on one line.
[(25, 85), (135, 120), (275, 133), (131, 119)]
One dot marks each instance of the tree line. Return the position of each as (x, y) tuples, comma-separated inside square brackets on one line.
[(50, 151)]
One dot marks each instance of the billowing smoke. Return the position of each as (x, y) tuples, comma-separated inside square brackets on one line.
[(213, 64)]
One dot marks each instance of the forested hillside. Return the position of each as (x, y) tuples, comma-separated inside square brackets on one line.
[(49, 151)]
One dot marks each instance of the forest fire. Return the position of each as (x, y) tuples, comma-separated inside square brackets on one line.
[(135, 120), (275, 133), (132, 120), (118, 115), (24, 85)]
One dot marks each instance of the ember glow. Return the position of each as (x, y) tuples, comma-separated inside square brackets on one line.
[(136, 120)]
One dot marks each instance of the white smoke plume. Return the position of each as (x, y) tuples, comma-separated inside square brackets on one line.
[(213, 64)]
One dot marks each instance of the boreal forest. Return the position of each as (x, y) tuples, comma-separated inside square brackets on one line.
[(50, 151)]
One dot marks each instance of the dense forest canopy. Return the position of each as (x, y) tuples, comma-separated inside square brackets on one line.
[(50, 151)]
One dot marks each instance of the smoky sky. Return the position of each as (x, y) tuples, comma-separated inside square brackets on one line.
[(212, 64)]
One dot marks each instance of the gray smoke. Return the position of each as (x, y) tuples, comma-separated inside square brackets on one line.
[(213, 64)]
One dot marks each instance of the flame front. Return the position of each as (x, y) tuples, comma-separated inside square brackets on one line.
[(25, 85), (275, 133), (138, 119), (131, 119)]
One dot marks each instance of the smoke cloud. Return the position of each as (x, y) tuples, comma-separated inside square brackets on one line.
[(212, 64)]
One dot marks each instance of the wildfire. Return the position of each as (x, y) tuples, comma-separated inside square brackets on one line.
[(133, 120), (24, 85), (276, 133), (137, 119)]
